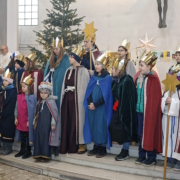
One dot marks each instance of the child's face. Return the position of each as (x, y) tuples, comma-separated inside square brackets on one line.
[(98, 67), (25, 88), (87, 44), (17, 66), (6, 83), (177, 57), (114, 72), (72, 60), (122, 53), (56, 51), (44, 94), (144, 68)]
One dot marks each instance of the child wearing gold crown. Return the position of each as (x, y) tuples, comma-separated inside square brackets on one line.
[(98, 104), (124, 123), (72, 111), (124, 55), (148, 108), (24, 115), (36, 74), (173, 154), (7, 104), (46, 124)]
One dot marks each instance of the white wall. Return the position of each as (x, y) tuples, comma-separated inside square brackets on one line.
[(117, 20), (12, 25)]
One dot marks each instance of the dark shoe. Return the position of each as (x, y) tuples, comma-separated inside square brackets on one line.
[(149, 162), (101, 152), (177, 166), (140, 160), (8, 150), (27, 155), (19, 154), (171, 163), (124, 154), (94, 151)]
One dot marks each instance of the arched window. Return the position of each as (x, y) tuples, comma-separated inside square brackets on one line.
[(28, 12)]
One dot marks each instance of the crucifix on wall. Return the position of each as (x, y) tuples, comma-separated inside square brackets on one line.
[(162, 10)]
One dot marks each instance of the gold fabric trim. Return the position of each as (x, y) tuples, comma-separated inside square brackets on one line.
[(30, 142), (8, 138), (35, 157)]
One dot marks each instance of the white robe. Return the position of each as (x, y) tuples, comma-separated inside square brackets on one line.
[(4, 60), (173, 123)]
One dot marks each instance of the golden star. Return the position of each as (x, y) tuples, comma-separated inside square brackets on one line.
[(170, 82), (89, 29), (146, 43)]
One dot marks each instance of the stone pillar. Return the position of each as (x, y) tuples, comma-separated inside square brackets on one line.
[(3, 22)]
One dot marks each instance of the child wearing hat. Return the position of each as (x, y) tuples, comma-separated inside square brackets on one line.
[(8, 101), (98, 103), (46, 124), (24, 115), (72, 111)]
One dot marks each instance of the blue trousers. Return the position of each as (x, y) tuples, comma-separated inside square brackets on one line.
[(126, 145), (142, 152)]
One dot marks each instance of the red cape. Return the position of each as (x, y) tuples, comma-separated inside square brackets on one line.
[(152, 138)]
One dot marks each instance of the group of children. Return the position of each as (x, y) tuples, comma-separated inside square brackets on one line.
[(90, 106)]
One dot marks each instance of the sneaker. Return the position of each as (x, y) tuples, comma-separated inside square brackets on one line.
[(171, 163), (27, 154), (177, 166), (19, 154), (94, 151), (101, 152), (149, 162), (140, 160), (124, 154)]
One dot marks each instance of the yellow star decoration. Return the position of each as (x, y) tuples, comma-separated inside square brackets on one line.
[(146, 43), (89, 30), (170, 82)]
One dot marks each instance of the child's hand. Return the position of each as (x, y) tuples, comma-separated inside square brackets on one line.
[(91, 106), (16, 122), (28, 124), (52, 128), (91, 72), (168, 100)]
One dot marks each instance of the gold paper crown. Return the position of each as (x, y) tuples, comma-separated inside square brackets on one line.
[(118, 64), (93, 39), (28, 80), (79, 51), (8, 74), (126, 44), (148, 57), (103, 60), (32, 56), (178, 48), (57, 43), (175, 69), (21, 57)]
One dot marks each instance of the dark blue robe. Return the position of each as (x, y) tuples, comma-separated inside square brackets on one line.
[(17, 78), (7, 126), (97, 122)]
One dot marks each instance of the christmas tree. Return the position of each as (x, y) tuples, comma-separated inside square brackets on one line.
[(62, 22)]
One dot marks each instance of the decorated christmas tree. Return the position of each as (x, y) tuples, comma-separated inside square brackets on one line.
[(62, 22)]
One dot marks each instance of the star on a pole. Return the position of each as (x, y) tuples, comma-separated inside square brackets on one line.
[(170, 82), (147, 43), (89, 30)]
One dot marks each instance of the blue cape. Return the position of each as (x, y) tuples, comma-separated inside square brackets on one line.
[(31, 105), (58, 77), (107, 94)]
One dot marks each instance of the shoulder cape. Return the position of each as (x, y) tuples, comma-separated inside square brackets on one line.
[(107, 94)]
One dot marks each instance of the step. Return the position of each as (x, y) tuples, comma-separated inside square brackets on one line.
[(67, 171), (86, 167)]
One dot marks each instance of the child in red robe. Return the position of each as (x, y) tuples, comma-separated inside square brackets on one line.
[(148, 108)]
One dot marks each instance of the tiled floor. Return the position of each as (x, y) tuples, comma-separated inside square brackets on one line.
[(11, 173)]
